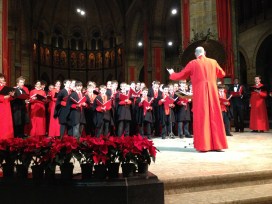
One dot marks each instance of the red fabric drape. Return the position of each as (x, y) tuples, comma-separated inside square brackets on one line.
[(5, 39), (223, 9), (157, 62), (186, 23)]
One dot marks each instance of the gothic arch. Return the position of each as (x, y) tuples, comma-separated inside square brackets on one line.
[(260, 42), (263, 60), (244, 53)]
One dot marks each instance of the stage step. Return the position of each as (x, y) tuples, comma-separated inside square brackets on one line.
[(255, 194), (244, 187)]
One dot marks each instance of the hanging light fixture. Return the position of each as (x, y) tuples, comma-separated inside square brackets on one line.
[(80, 11)]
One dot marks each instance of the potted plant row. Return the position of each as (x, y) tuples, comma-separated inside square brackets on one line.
[(103, 154)]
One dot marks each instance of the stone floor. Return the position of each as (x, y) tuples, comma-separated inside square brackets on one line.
[(178, 160), (247, 152)]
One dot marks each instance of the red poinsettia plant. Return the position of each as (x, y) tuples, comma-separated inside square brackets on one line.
[(39, 148), (7, 155), (62, 150), (137, 149), (100, 151), (85, 150), (19, 146)]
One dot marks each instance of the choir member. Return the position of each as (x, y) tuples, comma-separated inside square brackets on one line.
[(123, 111), (76, 118), (61, 111), (145, 115), (258, 112), (103, 116), (19, 108), (237, 103), (54, 126), (89, 110), (167, 116), (224, 104), (6, 126), (183, 113), (37, 111), (155, 93)]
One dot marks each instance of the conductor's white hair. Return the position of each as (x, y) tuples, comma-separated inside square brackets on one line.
[(199, 51)]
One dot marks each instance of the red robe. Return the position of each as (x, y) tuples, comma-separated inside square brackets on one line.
[(6, 125), (258, 112), (37, 115), (208, 126), (54, 126)]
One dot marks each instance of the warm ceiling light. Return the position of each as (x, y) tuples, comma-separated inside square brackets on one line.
[(140, 44), (174, 11), (170, 43), (82, 13), (78, 10)]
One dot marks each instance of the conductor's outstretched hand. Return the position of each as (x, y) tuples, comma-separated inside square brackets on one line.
[(170, 70)]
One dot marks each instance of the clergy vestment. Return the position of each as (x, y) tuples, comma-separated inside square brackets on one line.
[(37, 114), (6, 126), (54, 125), (208, 127), (258, 112)]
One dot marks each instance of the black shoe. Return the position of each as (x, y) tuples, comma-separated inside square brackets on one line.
[(236, 130), (229, 134), (261, 131), (218, 150), (254, 130), (182, 136), (241, 130), (188, 136)]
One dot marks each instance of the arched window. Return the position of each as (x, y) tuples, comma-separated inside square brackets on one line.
[(73, 44), (41, 37), (57, 39), (96, 41), (77, 41), (60, 42), (93, 44)]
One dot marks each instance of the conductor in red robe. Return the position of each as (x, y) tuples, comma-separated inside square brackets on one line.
[(208, 126)]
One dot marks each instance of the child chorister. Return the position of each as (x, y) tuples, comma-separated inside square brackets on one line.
[(89, 111), (103, 115), (123, 111), (167, 116), (145, 114), (76, 101), (224, 104)]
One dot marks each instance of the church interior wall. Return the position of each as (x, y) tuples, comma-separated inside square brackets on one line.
[(249, 42)]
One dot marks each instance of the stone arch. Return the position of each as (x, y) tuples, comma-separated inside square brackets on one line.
[(263, 60), (244, 66)]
